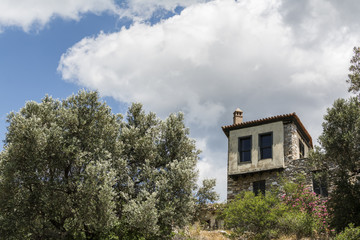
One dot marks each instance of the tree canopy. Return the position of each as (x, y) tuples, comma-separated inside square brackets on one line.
[(339, 152), (354, 75), (72, 169)]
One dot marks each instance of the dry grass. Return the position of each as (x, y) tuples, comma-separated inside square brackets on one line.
[(222, 235), (291, 238), (219, 235), (213, 235), (195, 232)]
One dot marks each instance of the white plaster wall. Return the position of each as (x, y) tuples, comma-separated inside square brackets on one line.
[(277, 160)]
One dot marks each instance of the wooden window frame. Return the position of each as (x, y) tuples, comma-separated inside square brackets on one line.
[(259, 187), (261, 148), (320, 186), (301, 149), (241, 160)]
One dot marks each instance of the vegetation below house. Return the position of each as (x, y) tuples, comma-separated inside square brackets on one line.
[(292, 212), (298, 212)]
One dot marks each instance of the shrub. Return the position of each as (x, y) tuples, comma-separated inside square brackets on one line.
[(254, 216), (350, 233), (302, 200), (296, 222), (298, 212)]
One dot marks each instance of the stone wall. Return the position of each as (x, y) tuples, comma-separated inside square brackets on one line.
[(294, 166), (291, 141), (210, 218), (244, 182)]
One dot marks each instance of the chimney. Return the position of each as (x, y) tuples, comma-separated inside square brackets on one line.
[(238, 116)]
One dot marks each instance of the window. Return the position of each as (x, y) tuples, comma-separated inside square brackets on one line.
[(320, 185), (245, 149), (265, 143), (301, 149), (259, 187)]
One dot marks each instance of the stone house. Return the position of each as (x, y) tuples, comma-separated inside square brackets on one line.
[(260, 151)]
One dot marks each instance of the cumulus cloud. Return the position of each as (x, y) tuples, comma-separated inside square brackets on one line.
[(140, 9), (29, 13), (209, 169), (35, 14), (219, 55)]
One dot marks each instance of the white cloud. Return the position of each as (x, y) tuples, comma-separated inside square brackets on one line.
[(35, 14), (207, 168), (220, 55), (140, 9), (29, 13)]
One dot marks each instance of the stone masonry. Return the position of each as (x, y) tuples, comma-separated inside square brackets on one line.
[(293, 164), (244, 182)]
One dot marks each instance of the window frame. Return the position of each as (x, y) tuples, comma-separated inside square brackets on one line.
[(265, 147), (259, 187), (301, 149), (240, 150), (319, 184)]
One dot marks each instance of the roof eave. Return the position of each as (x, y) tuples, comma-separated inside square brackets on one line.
[(292, 117)]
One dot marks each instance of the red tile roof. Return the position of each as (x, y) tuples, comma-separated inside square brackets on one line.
[(285, 118)]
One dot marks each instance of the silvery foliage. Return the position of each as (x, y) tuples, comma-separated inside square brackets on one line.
[(160, 169), (72, 169), (56, 172), (206, 194)]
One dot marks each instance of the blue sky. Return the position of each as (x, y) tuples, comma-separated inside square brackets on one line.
[(204, 58), (29, 60)]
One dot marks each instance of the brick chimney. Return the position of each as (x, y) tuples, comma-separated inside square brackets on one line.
[(238, 116)]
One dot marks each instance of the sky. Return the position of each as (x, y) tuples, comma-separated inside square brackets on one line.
[(201, 57)]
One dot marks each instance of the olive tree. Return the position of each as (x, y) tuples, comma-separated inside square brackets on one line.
[(72, 169), (161, 177), (56, 173)]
